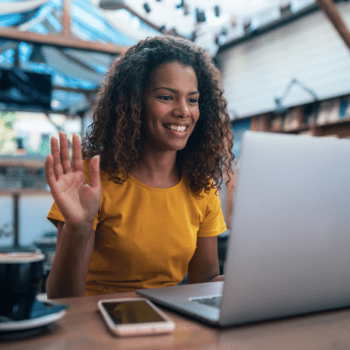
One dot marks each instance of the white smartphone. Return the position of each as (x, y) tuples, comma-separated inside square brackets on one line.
[(134, 316)]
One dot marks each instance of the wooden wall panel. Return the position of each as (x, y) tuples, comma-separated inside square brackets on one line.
[(309, 49)]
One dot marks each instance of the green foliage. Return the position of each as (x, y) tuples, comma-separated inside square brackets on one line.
[(9, 118), (8, 143)]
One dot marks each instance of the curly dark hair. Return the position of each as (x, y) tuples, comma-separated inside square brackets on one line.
[(115, 133)]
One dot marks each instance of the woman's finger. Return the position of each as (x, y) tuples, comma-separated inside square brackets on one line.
[(49, 173), (94, 171), (77, 160), (64, 153), (57, 166)]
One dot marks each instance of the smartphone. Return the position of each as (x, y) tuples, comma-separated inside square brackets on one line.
[(134, 316)]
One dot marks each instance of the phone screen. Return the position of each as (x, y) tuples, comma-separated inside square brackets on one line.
[(127, 312)]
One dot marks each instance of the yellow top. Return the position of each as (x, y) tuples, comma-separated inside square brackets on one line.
[(145, 237)]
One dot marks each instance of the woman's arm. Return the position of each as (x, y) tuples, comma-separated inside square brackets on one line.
[(70, 267), (79, 203), (204, 265)]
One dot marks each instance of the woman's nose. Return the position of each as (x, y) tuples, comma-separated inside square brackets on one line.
[(181, 109)]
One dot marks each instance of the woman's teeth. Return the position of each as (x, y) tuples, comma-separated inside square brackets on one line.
[(176, 127)]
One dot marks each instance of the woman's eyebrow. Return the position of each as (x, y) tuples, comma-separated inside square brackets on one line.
[(175, 91)]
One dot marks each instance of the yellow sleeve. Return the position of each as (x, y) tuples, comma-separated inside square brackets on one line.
[(55, 214), (213, 223)]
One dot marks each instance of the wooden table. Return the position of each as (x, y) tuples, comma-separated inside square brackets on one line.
[(82, 328)]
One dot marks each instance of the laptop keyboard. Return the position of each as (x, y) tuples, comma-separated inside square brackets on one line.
[(211, 301)]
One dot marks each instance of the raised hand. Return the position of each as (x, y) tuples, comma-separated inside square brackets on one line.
[(78, 201)]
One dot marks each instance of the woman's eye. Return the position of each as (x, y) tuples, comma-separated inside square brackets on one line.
[(165, 98), (194, 100)]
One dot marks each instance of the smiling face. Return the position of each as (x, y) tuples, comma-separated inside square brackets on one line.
[(170, 107)]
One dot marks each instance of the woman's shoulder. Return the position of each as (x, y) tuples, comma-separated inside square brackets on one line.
[(210, 192)]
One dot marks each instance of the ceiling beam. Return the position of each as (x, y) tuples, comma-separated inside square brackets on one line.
[(66, 18), (86, 92), (333, 14), (60, 41), (143, 19), (71, 89)]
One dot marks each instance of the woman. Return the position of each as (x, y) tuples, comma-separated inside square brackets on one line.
[(142, 210)]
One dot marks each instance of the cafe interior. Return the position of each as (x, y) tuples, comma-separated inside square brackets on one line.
[(285, 70)]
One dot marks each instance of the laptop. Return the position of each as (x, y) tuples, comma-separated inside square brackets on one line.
[(288, 251)]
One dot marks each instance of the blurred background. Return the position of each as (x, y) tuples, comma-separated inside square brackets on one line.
[(285, 66)]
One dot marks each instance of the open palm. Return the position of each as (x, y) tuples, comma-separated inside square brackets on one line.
[(77, 200)]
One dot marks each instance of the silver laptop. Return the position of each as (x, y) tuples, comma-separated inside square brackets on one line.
[(289, 248)]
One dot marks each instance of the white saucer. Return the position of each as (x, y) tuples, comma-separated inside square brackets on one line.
[(41, 321)]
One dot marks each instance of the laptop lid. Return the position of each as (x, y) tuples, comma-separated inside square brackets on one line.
[(289, 247), (288, 250)]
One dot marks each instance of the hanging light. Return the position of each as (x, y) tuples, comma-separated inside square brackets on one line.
[(181, 4), (194, 35), (285, 8), (146, 7), (223, 31), (217, 11), (233, 21), (186, 9), (200, 16)]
